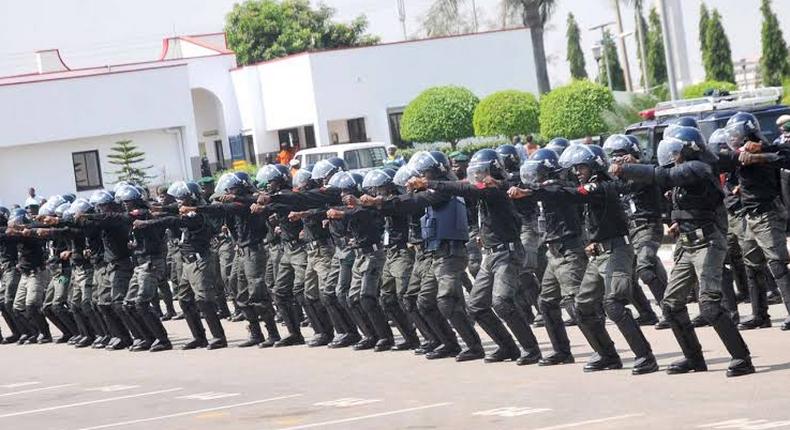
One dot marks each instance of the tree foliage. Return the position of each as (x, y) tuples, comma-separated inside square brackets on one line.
[(610, 52), (575, 55), (574, 110), (623, 115), (774, 63), (699, 90), (534, 15), (506, 113), (639, 19), (704, 18), (439, 114), (718, 57), (446, 17), (656, 60), (128, 158), (259, 30)]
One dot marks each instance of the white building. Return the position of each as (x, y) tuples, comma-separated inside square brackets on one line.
[(193, 101)]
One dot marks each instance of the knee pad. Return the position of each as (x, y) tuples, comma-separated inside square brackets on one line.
[(778, 269), (710, 310), (647, 276), (548, 305), (586, 311), (615, 310)]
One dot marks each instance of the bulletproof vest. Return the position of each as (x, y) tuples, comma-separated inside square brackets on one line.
[(446, 222), (698, 201)]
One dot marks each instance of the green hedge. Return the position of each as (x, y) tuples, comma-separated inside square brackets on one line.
[(439, 114), (698, 90), (506, 113), (468, 148), (574, 111)]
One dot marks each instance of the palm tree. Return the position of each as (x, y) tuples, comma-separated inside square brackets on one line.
[(534, 15)]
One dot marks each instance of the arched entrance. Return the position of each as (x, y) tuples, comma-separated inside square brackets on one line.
[(210, 129)]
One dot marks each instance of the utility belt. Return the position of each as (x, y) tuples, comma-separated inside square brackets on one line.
[(318, 244), (606, 246), (398, 245), (365, 250), (765, 207), (699, 237), (509, 247), (449, 246), (293, 245), (247, 250), (643, 222), (30, 272)]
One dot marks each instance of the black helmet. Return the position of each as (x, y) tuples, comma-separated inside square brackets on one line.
[(484, 162), (69, 197), (274, 176), (346, 182), (302, 180), (686, 141), (686, 121), (54, 201), (119, 185), (718, 141), (18, 217), (509, 157), (46, 210), (618, 145), (185, 191), (233, 181), (375, 181), (558, 145), (637, 146), (101, 197), (590, 155), (128, 193), (541, 165), (435, 161), (4, 213), (60, 210), (324, 169), (741, 127), (403, 175), (81, 206)]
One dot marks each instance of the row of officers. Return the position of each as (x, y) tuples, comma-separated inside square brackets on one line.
[(573, 227)]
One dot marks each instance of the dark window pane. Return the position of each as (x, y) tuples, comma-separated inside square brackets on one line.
[(356, 130), (87, 171)]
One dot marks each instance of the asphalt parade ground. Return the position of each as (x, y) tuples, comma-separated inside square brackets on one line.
[(59, 387)]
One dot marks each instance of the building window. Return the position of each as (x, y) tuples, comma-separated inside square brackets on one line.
[(87, 171), (288, 137), (309, 136), (220, 154), (356, 130), (395, 118), (250, 150)]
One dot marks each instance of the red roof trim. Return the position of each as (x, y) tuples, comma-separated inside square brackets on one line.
[(400, 42), (92, 75), (165, 47), (202, 44)]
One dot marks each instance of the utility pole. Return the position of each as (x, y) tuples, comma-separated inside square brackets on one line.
[(640, 38), (474, 14), (402, 17), (605, 55), (669, 51), (623, 52)]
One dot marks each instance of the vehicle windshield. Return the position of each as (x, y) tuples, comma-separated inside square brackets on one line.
[(365, 158), (311, 159)]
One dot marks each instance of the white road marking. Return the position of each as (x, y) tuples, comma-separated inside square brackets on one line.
[(208, 395), (511, 411), (33, 390), (112, 388), (366, 417), (181, 414), (746, 424), (91, 402), (20, 384), (584, 423), (347, 402)]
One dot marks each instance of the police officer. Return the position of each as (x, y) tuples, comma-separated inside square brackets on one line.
[(698, 220), (399, 261), (459, 162), (445, 233), (249, 231), (646, 231), (29, 297), (195, 290), (759, 164), (608, 280), (560, 226), (9, 279), (366, 226)]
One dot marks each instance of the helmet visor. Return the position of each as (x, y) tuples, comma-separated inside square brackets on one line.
[(668, 151), (477, 172)]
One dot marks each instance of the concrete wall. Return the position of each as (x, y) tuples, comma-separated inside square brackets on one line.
[(365, 82), (48, 166)]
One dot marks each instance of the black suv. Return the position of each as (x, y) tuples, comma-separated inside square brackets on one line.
[(651, 132)]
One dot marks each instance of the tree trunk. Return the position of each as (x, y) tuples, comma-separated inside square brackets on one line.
[(532, 19)]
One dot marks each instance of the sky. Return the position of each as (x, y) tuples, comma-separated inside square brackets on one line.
[(100, 32)]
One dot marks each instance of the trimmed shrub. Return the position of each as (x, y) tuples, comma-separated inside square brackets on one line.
[(698, 90), (574, 111), (506, 113), (439, 114)]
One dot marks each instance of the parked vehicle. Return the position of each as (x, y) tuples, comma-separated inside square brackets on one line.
[(358, 156), (711, 113)]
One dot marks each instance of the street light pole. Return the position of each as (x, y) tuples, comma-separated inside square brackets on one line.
[(669, 51), (641, 43), (602, 27), (626, 65)]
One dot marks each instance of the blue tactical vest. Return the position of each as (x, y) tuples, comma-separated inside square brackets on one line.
[(447, 222)]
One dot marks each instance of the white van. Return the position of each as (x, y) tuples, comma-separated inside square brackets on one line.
[(358, 156)]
